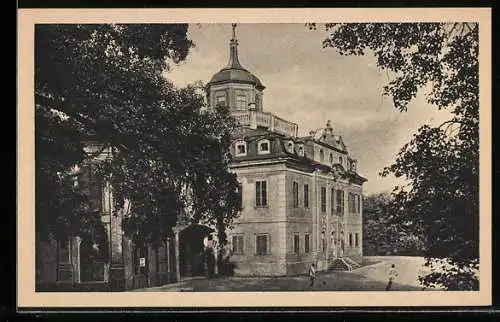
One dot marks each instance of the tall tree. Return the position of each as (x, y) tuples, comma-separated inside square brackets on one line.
[(383, 233), (440, 163), (105, 83)]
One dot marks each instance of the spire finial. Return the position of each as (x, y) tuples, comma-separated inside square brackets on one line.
[(233, 51), (234, 30)]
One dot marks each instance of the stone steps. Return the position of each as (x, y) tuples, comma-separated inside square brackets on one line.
[(343, 264)]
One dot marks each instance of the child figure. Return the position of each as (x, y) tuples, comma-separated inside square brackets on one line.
[(312, 274), (392, 274)]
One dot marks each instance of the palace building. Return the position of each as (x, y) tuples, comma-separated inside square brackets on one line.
[(301, 196), (301, 204)]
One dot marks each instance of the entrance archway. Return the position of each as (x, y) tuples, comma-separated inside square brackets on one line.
[(191, 250)]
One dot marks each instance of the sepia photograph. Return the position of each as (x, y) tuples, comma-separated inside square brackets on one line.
[(245, 157)]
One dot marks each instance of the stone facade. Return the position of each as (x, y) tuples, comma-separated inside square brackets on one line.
[(301, 199), (67, 266), (312, 210)]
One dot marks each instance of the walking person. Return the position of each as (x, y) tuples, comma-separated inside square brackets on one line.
[(312, 274), (392, 274)]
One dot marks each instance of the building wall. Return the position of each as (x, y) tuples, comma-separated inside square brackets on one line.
[(299, 222), (354, 225), (255, 220)]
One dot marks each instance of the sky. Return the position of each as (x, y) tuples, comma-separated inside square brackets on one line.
[(308, 85)]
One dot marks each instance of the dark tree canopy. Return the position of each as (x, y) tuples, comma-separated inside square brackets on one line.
[(383, 233), (105, 84), (440, 163)]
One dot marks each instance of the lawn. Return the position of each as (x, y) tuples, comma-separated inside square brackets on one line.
[(370, 277)]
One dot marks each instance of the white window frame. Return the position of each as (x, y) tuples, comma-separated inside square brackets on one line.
[(219, 99), (234, 246), (238, 105), (268, 244), (295, 194), (307, 237), (296, 237), (259, 147), (239, 143), (300, 150), (261, 196)]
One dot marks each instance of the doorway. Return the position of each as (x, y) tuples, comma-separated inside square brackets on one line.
[(192, 256)]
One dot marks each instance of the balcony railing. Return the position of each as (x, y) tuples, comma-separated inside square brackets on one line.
[(254, 119)]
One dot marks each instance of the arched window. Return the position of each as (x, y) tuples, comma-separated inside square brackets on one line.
[(321, 155), (240, 148), (290, 146), (264, 147), (341, 161), (331, 158)]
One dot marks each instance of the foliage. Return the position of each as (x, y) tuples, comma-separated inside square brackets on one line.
[(441, 162), (104, 84), (382, 234)]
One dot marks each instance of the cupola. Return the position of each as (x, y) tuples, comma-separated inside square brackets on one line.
[(234, 86)]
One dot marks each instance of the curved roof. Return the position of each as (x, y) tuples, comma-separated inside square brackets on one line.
[(234, 72), (238, 75)]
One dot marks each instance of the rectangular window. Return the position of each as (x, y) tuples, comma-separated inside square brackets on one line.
[(238, 244), (350, 207), (306, 196), (221, 100), (262, 244), (261, 194), (306, 243), (356, 240), (264, 147), (241, 149), (241, 102), (340, 201), (332, 201), (296, 243), (355, 203), (323, 199), (350, 239), (295, 195)]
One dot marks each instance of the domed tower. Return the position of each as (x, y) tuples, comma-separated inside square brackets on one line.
[(234, 86)]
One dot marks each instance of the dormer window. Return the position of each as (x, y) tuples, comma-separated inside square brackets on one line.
[(241, 148), (264, 147), (290, 146), (321, 155), (300, 150)]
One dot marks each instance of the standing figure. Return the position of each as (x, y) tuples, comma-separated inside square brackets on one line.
[(391, 276), (312, 274)]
